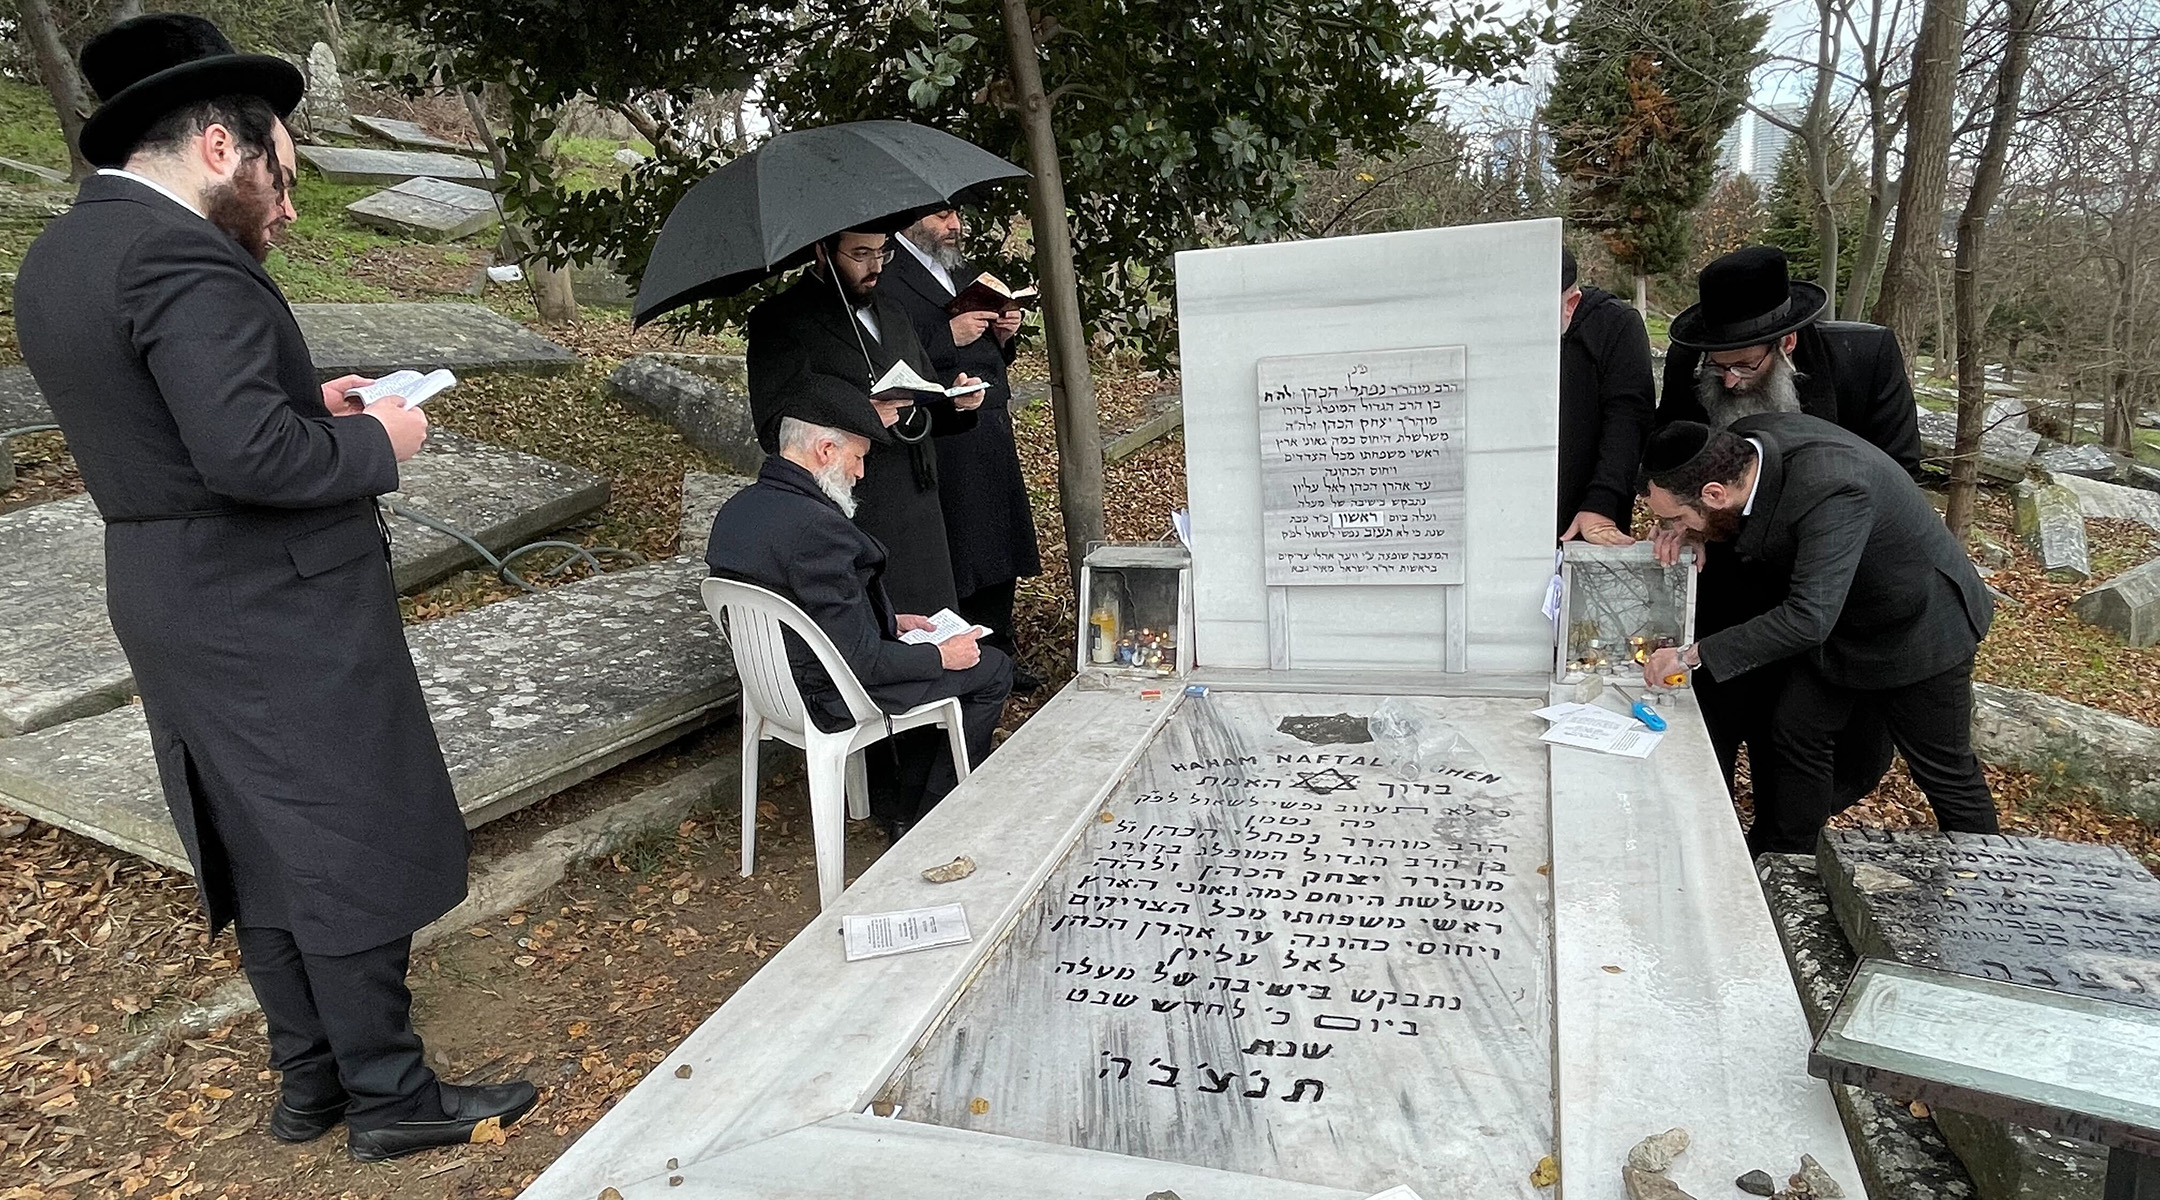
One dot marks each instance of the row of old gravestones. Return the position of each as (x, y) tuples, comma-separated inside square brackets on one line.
[(1967, 904)]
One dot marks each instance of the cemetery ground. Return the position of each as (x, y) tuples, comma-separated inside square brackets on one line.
[(104, 1091)]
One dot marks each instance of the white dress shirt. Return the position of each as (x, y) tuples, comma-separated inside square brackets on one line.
[(153, 185), (929, 263)]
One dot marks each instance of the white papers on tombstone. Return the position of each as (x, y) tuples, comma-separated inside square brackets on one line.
[(898, 383), (417, 388), (1401, 1191), (875, 935), (507, 273), (1590, 727), (945, 625)]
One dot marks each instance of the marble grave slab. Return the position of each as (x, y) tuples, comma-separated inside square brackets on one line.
[(430, 210), (1274, 955), (376, 339), (529, 696), (59, 659), (341, 164)]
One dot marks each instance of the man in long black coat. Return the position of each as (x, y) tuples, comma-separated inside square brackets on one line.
[(248, 577), (989, 523), (1882, 611), (790, 532), (835, 331), (1606, 406)]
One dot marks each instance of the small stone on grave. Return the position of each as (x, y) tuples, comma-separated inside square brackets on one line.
[(2004, 452), (1757, 1183), (706, 397), (343, 164), (409, 135), (2086, 460), (1812, 1180), (430, 210), (2051, 524), (2128, 604), (1657, 1152), (1649, 1185)]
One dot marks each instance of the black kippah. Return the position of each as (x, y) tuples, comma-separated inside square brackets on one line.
[(1567, 268), (1674, 447)]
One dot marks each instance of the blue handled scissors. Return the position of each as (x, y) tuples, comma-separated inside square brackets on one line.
[(1643, 712)]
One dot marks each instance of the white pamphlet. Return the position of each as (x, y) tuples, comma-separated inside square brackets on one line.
[(945, 625), (876, 935), (896, 383), (1401, 1191), (1590, 727), (417, 389)]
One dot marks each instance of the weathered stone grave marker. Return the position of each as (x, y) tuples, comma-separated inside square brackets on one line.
[(376, 339), (432, 210), (702, 495), (2128, 604), (346, 164), (2088, 461), (2052, 527), (706, 397), (409, 135), (2113, 501), (2005, 450)]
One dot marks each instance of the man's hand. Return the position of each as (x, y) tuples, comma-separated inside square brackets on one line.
[(890, 411), (971, 325), (335, 399), (1596, 529), (959, 651), (971, 401), (1007, 324), (1662, 664), (407, 427), (909, 622), (1666, 545)]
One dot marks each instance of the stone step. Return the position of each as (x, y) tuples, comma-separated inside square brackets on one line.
[(59, 659), (410, 136), (428, 210), (343, 164), (529, 697)]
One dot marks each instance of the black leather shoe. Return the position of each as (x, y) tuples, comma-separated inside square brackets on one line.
[(894, 829), (471, 1114), (289, 1124), (1025, 681)]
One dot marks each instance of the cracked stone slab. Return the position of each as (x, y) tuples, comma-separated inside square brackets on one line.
[(376, 339), (702, 495), (59, 658), (430, 210), (529, 697), (342, 164), (2118, 758), (410, 136), (2096, 498)]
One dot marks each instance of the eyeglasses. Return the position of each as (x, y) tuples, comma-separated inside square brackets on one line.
[(863, 256), (1737, 371)]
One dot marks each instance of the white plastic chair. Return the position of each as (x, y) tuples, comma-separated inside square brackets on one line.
[(772, 707)]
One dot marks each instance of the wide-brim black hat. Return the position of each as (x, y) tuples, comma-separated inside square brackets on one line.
[(835, 404), (1747, 299), (144, 68)]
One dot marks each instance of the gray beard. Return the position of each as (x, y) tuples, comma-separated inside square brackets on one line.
[(948, 257), (1777, 391), (832, 480)]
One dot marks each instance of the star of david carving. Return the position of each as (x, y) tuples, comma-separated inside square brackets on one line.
[(1321, 783)]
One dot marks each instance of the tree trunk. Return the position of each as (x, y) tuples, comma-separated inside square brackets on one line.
[(333, 28), (1072, 387), (1971, 229), (1916, 242), (1642, 296), (1815, 140), (551, 290), (71, 97)]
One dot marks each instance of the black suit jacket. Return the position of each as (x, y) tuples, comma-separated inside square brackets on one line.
[(1880, 595), (1853, 376), (246, 574), (784, 534), (1607, 402)]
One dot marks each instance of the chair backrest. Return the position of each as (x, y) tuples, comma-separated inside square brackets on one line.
[(752, 618)]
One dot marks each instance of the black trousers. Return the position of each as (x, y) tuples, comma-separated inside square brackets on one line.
[(1930, 722), (911, 772), (992, 608), (341, 1028)]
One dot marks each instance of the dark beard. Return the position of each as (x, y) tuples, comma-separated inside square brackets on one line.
[(244, 209), (1720, 524), (1776, 391)]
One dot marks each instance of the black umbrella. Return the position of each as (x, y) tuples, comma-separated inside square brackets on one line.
[(762, 213)]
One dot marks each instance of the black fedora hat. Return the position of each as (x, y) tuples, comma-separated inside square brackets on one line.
[(145, 67), (1747, 299)]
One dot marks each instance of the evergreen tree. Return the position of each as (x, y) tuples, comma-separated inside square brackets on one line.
[(1791, 205), (1642, 93)]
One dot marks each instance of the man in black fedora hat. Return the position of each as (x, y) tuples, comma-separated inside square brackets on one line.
[(792, 531), (248, 576), (1756, 343), (1882, 610)]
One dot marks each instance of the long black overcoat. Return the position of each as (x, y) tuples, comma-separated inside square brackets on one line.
[(1606, 406), (247, 574), (805, 338), (988, 520)]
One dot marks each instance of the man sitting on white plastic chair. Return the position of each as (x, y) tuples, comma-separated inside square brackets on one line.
[(791, 532)]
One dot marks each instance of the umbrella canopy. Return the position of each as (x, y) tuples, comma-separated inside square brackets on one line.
[(762, 213)]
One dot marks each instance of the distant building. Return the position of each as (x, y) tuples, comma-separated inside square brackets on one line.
[(1753, 146)]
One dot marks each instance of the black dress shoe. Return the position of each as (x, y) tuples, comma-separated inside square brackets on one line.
[(470, 1114), (894, 829), (1025, 681), (289, 1124)]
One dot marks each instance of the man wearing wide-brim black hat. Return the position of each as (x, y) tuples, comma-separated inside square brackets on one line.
[(247, 576), (1756, 343)]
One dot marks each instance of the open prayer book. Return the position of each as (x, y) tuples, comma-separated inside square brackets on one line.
[(945, 625), (417, 389), (902, 383), (989, 294)]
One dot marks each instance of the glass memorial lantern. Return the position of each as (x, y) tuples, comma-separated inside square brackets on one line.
[(1617, 605), (1136, 610)]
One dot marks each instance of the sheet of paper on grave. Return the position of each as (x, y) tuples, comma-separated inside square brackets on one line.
[(1361, 466), (1276, 955)]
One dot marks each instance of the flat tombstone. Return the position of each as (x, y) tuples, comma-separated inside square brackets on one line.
[(2071, 917), (2088, 461), (376, 339), (2096, 498), (343, 164), (1361, 467), (411, 136), (1271, 940), (432, 210), (2004, 451), (702, 495)]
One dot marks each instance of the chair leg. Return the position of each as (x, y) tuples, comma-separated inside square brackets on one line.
[(753, 734), (858, 787), (956, 733), (828, 813)]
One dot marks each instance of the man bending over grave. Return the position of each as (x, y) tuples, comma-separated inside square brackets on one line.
[(791, 532), (1881, 616)]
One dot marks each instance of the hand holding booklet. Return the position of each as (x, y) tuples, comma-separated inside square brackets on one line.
[(902, 383), (945, 625), (988, 293), (417, 388)]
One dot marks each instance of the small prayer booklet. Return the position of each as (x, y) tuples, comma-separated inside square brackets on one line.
[(989, 294), (902, 383), (1590, 727), (417, 389), (876, 935), (945, 625)]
